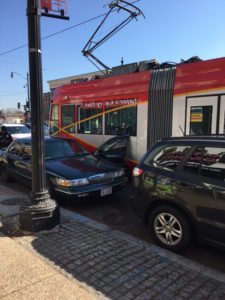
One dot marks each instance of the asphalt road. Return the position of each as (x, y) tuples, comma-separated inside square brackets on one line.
[(115, 212)]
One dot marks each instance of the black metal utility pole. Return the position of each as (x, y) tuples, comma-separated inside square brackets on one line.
[(28, 97), (41, 213)]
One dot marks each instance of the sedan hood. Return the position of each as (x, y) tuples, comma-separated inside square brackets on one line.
[(78, 167)]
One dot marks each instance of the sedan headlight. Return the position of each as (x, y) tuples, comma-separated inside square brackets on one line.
[(118, 173), (75, 182)]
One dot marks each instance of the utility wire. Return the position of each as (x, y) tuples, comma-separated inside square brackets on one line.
[(3, 53), (58, 32), (53, 34), (15, 94)]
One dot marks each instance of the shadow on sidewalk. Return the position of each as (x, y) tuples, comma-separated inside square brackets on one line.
[(100, 259)]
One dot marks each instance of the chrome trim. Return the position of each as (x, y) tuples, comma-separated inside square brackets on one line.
[(89, 191), (101, 178)]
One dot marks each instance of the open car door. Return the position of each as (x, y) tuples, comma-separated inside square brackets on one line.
[(114, 150)]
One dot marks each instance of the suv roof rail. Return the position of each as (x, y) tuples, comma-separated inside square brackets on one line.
[(196, 137)]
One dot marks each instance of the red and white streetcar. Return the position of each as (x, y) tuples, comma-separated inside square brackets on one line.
[(144, 100)]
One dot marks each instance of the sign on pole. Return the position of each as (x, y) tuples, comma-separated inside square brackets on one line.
[(54, 8)]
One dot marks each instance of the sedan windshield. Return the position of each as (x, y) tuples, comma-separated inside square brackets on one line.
[(17, 129), (61, 148)]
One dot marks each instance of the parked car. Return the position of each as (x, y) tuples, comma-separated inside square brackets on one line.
[(178, 189), (46, 130), (17, 130), (71, 172), (28, 125)]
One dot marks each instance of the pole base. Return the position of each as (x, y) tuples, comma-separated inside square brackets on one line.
[(43, 215)]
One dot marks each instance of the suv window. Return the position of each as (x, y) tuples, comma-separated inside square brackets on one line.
[(213, 163), (168, 156), (208, 162), (193, 163)]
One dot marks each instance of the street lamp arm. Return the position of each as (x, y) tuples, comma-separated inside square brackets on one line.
[(27, 85), (18, 74)]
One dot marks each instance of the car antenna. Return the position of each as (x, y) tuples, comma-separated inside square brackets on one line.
[(91, 45), (182, 130)]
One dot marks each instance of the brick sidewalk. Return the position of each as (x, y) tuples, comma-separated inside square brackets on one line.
[(122, 267), (119, 266)]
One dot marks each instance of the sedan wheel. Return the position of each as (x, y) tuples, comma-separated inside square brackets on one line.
[(170, 228), (5, 174), (51, 190)]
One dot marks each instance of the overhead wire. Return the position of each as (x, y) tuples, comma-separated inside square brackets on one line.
[(14, 94), (58, 32)]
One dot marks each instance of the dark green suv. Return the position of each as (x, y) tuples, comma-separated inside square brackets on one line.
[(178, 189)]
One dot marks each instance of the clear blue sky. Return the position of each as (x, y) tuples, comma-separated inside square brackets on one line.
[(172, 30)]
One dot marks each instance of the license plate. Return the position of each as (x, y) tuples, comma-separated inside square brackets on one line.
[(106, 191)]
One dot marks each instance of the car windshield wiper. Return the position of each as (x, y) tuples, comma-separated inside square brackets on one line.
[(53, 157), (76, 154), (67, 155)]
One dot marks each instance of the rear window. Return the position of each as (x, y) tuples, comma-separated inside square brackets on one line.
[(167, 156), (17, 129), (213, 165), (208, 162)]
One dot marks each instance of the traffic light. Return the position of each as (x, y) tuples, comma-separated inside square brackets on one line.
[(18, 105)]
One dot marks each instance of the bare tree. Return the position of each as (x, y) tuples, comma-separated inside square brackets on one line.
[(12, 112)]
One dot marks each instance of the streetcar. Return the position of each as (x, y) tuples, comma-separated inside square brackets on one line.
[(146, 101)]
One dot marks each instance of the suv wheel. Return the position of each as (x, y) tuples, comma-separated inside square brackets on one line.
[(170, 228)]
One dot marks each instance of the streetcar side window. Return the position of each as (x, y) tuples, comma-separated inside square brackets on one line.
[(68, 118), (224, 124), (121, 120), (54, 123), (200, 120), (89, 117)]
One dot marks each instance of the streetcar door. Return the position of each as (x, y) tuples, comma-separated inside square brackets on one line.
[(114, 150), (201, 115), (222, 115), (54, 120)]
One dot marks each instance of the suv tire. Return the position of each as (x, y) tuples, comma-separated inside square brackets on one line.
[(170, 228)]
